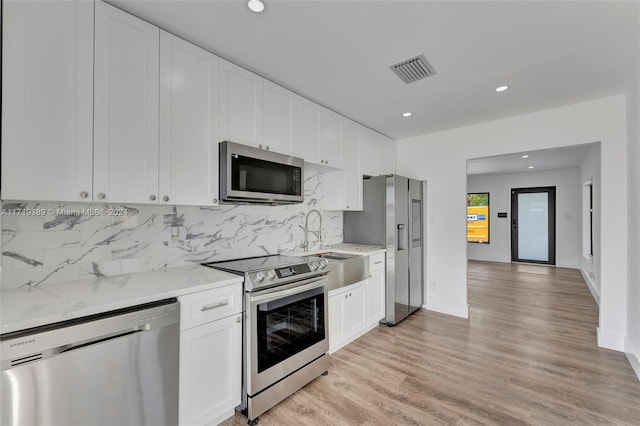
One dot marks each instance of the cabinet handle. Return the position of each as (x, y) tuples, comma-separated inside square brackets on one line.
[(215, 201), (84, 194), (349, 294), (152, 197), (238, 319), (346, 295), (102, 195), (166, 198), (326, 161), (260, 146), (347, 206), (267, 147), (217, 305), (378, 262)]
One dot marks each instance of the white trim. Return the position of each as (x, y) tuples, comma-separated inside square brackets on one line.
[(633, 356), (591, 285), (464, 314), (612, 341), (565, 264)]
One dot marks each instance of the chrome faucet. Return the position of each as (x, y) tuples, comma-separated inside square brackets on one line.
[(318, 232)]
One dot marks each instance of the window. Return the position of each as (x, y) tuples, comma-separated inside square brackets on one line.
[(478, 217), (587, 219)]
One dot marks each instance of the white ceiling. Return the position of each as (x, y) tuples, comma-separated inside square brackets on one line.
[(544, 159), (338, 53)]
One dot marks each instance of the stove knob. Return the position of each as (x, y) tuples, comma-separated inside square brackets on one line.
[(271, 274), (260, 276), (314, 266), (323, 264)]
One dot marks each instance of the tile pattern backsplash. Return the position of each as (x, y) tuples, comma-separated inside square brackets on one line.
[(44, 243)]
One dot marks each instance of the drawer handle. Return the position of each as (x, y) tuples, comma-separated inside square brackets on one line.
[(217, 305), (377, 263)]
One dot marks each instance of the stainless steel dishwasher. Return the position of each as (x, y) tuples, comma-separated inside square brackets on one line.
[(118, 368)]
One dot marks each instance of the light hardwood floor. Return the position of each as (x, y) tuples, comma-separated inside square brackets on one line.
[(527, 355)]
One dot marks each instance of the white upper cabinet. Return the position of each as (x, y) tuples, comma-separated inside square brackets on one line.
[(189, 134), (343, 188), (278, 118), (125, 107), (307, 130), (352, 169), (387, 155), (241, 103), (47, 98), (369, 147), (330, 139)]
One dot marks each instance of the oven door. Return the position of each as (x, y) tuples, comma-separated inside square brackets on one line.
[(287, 329)]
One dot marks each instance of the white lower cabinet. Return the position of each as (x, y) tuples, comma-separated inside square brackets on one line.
[(210, 356), (375, 298), (347, 314)]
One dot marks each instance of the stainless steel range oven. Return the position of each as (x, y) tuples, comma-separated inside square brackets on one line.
[(286, 335)]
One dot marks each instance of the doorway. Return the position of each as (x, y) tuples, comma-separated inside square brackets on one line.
[(533, 225)]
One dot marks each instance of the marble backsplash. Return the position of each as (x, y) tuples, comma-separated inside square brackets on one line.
[(44, 243)]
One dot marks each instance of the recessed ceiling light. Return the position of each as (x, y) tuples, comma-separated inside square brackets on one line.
[(256, 6), (531, 167), (525, 156), (501, 88), (406, 114)]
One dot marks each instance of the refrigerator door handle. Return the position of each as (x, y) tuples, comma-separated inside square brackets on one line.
[(402, 236)]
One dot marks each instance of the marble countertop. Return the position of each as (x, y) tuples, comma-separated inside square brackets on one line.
[(346, 248), (23, 309)]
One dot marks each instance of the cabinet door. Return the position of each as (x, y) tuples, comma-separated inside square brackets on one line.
[(47, 98), (307, 130), (387, 155), (278, 118), (375, 297), (330, 139), (126, 107), (354, 310), (352, 170), (241, 95), (336, 312), (369, 152), (188, 123), (210, 371)]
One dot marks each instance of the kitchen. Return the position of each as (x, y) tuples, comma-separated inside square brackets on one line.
[(166, 190)]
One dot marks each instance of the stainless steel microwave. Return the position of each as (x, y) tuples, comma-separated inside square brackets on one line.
[(252, 175)]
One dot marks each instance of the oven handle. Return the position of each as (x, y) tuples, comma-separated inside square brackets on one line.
[(301, 287)]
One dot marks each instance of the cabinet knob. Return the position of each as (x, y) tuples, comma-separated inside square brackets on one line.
[(152, 197), (84, 194), (326, 161), (347, 206), (102, 195), (322, 161), (166, 198), (238, 319), (260, 146), (215, 201), (346, 295), (267, 147)]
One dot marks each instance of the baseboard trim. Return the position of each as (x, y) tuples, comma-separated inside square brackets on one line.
[(613, 341), (460, 314), (591, 285), (568, 265), (633, 356)]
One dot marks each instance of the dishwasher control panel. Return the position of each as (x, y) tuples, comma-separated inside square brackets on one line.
[(154, 314)]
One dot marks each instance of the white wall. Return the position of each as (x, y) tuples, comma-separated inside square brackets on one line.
[(568, 195), (440, 158), (590, 267), (632, 343)]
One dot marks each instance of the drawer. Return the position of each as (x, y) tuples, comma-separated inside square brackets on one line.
[(376, 261), (210, 305)]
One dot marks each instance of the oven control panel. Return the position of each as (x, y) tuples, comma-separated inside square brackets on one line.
[(290, 271)]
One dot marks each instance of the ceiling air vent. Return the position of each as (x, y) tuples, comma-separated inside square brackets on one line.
[(413, 69)]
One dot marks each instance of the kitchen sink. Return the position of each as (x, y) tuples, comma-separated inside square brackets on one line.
[(345, 269)]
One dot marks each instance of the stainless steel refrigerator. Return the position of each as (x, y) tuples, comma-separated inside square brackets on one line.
[(392, 218)]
